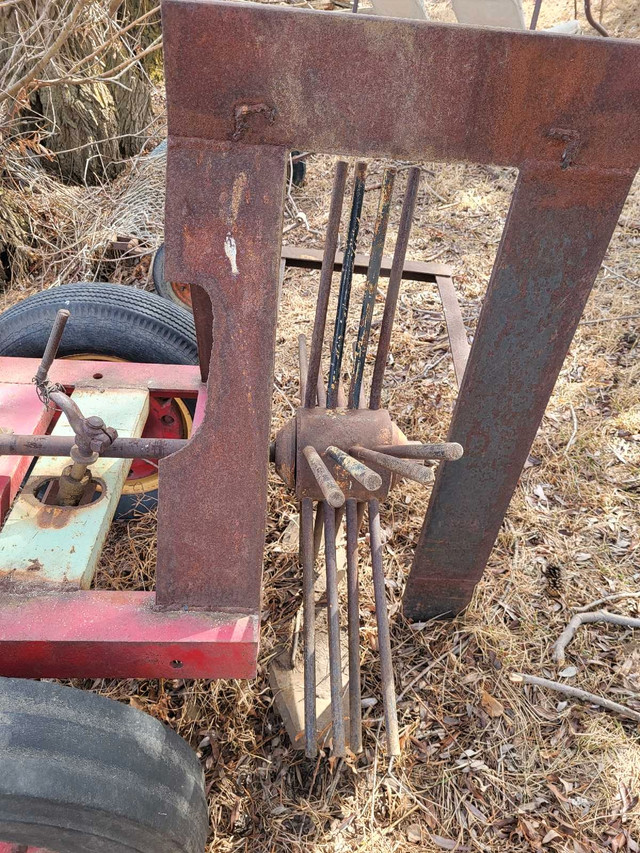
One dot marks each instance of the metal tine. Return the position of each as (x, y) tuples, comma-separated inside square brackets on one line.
[(450, 450), (353, 610), (321, 393), (309, 627), (341, 397), (339, 329), (371, 287), (384, 638), (324, 288), (318, 528), (330, 489), (371, 480), (51, 348), (303, 364), (393, 289), (333, 615), (401, 467)]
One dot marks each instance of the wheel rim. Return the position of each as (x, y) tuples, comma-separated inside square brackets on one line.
[(182, 293), (168, 418)]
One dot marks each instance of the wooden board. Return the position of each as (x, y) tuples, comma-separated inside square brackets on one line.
[(46, 545)]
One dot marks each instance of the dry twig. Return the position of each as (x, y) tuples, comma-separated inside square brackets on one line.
[(576, 693), (584, 618)]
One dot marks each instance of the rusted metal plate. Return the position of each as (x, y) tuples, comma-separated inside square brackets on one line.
[(223, 228), (265, 75), (171, 380), (557, 231), (99, 634)]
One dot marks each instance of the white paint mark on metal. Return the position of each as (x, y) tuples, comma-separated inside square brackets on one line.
[(231, 251)]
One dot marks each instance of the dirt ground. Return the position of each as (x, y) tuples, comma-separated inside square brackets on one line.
[(488, 763)]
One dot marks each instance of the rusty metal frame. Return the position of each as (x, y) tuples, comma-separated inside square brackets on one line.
[(246, 83)]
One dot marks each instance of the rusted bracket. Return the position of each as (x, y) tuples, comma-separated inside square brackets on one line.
[(445, 93)]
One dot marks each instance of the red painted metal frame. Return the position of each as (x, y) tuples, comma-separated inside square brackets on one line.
[(22, 413), (563, 109), (98, 634), (66, 633)]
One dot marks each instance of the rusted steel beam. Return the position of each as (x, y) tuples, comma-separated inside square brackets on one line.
[(557, 231), (223, 228), (225, 63), (311, 259)]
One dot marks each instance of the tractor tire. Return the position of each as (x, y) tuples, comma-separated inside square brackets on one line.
[(115, 322), (84, 773)]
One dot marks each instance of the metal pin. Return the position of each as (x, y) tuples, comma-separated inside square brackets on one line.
[(401, 467), (353, 609), (344, 293), (333, 615), (371, 480), (303, 365), (393, 288), (324, 288), (330, 489), (371, 287), (450, 450), (52, 346), (384, 638), (309, 628)]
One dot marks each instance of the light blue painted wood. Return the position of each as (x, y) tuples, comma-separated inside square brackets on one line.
[(41, 545)]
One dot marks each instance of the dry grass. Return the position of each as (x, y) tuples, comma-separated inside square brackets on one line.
[(528, 770)]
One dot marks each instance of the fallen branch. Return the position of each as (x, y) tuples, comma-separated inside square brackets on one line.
[(576, 693), (615, 597), (583, 618)]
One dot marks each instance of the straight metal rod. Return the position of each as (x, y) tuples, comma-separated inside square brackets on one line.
[(324, 288), (303, 365), (446, 450), (371, 286), (52, 345), (401, 467), (353, 609), (535, 15), (358, 470), (333, 618), (393, 289), (309, 627), (331, 491), (384, 638), (321, 393), (60, 445), (344, 294)]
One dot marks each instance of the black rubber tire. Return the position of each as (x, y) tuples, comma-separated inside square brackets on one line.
[(84, 774), (106, 319), (110, 319), (162, 286)]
